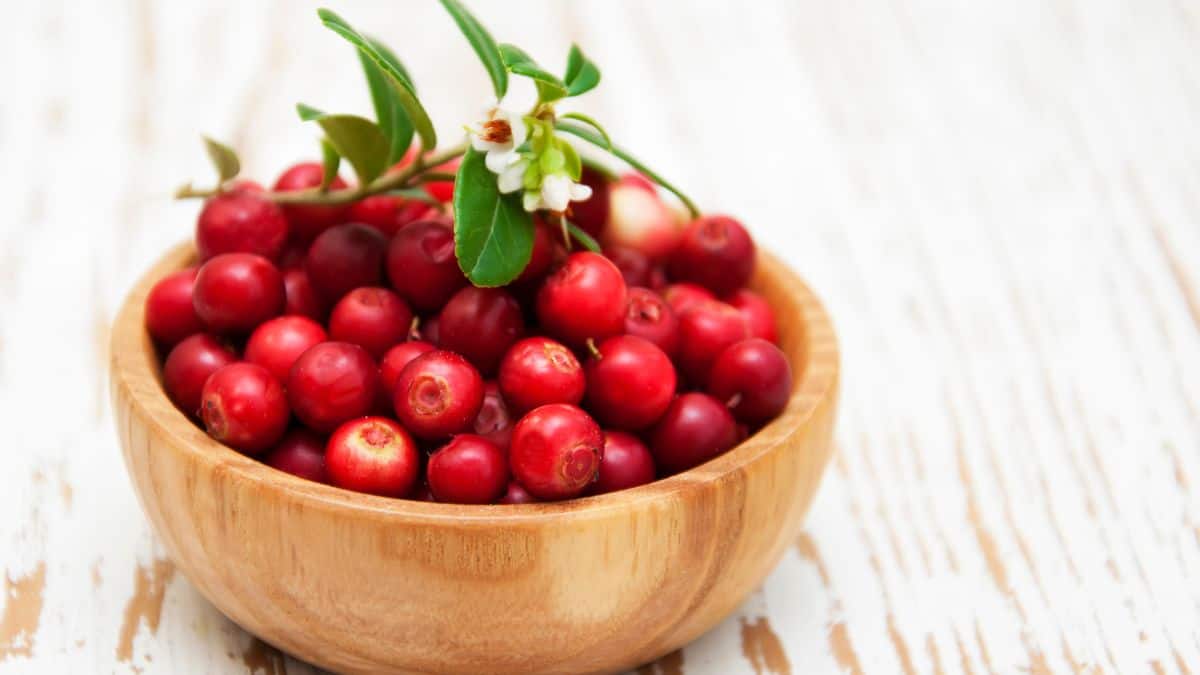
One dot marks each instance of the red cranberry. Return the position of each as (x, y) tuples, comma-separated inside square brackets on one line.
[(300, 453), (244, 407), (683, 295), (753, 378), (656, 278), (343, 258), (626, 463), (330, 383), (293, 256), (760, 318), (638, 218), (373, 455), (188, 366), (591, 214), (241, 222), (438, 394), (242, 186), (373, 318), (431, 331), (630, 382), (705, 330), (651, 318), (469, 469), (299, 296), (541, 256), (422, 267), (309, 220), (443, 190), (170, 315), (517, 495), (634, 265), (388, 213), (394, 361), (556, 451), (537, 371), (234, 292), (695, 428), (276, 344), (715, 252), (494, 422), (481, 324), (584, 299)]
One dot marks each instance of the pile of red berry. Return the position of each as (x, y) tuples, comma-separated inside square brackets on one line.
[(344, 345)]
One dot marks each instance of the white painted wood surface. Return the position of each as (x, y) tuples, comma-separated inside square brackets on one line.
[(997, 200)]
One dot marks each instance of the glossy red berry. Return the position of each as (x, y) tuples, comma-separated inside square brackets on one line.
[(715, 252), (393, 363), (373, 455), (309, 220), (683, 295), (753, 378), (760, 318), (695, 428), (300, 453), (517, 495), (276, 344), (630, 382), (438, 394), (541, 257), (556, 451), (244, 406), (421, 265), (234, 292), (469, 469), (443, 190), (188, 366), (537, 371), (584, 299), (387, 213), (705, 330), (431, 331), (343, 258), (299, 296), (494, 421), (376, 319), (634, 265), (241, 222), (626, 463), (651, 318), (591, 214), (481, 324), (332, 382), (170, 315)]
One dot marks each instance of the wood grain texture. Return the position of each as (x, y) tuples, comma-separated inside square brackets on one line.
[(364, 584), (996, 201)]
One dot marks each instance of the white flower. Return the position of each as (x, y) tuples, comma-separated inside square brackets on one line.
[(513, 176), (499, 136), (557, 192)]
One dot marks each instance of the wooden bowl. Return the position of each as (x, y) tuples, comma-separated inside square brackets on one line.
[(358, 584)]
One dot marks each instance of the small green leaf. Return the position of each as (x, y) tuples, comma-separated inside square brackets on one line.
[(389, 110), (598, 140), (330, 161), (571, 161), (582, 75), (223, 158), (582, 237), (483, 44), (591, 123), (405, 92), (357, 139), (549, 87), (493, 234)]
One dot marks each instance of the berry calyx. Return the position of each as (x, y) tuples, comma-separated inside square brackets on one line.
[(438, 394), (649, 317)]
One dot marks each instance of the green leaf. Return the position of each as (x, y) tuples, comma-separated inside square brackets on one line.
[(406, 94), (598, 140), (571, 161), (493, 234), (330, 161), (224, 159), (483, 44), (582, 237), (591, 123), (357, 139), (389, 110), (549, 87), (582, 75)]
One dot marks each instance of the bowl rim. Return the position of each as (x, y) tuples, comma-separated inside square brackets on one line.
[(135, 369)]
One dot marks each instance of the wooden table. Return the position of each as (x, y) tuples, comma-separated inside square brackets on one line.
[(997, 200)]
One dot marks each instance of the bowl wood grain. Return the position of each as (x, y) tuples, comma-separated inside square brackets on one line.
[(363, 584)]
